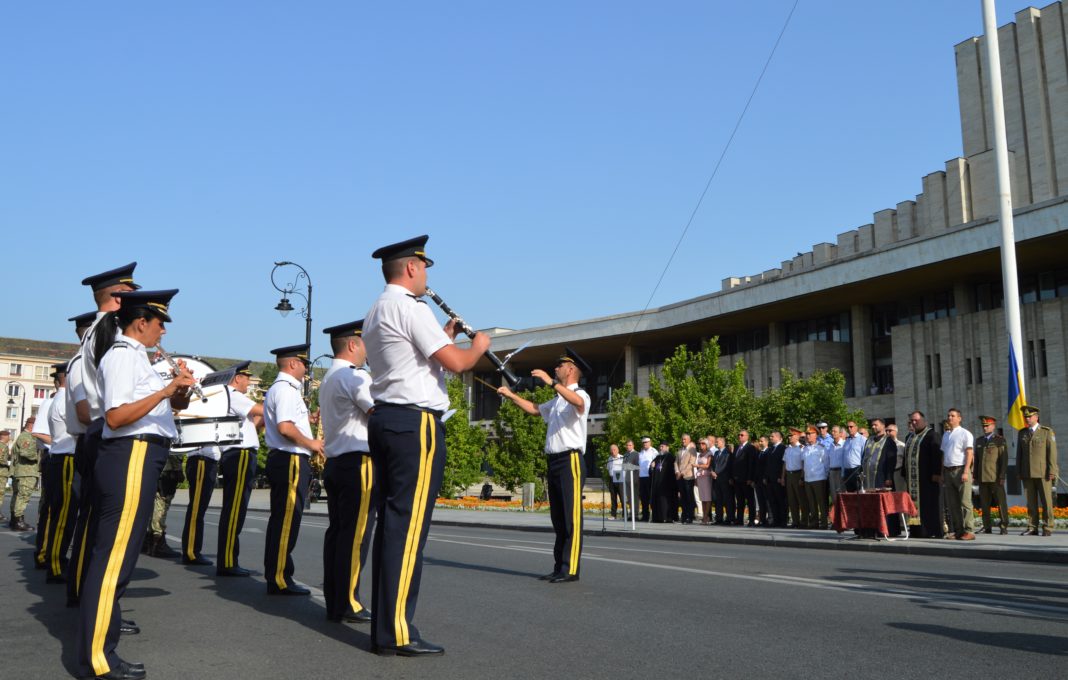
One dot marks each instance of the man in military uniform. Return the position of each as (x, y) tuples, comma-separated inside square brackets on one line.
[(156, 540), (991, 464), (1036, 464), (5, 468), (24, 459)]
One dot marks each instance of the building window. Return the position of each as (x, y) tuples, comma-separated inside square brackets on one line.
[(938, 370), (978, 370), (968, 371), (988, 296), (769, 382), (930, 377), (14, 390), (41, 372), (1042, 369), (14, 369), (12, 412), (833, 328), (1031, 359), (40, 392)]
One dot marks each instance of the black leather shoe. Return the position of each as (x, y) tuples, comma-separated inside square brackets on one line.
[(198, 561), (129, 628), (1030, 532), (413, 648), (290, 589), (564, 578), (40, 565), (54, 578), (549, 577), (362, 616), (232, 571), (124, 671)]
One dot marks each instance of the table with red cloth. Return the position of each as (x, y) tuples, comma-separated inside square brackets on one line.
[(869, 510)]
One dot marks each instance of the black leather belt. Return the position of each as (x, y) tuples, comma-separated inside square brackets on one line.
[(562, 453), (151, 439), (952, 467), (835, 469), (411, 407)]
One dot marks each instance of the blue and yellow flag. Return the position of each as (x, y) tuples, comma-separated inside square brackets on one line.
[(1016, 393)]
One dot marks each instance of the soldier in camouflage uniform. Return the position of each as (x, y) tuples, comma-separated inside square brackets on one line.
[(156, 540), (24, 461), (5, 468)]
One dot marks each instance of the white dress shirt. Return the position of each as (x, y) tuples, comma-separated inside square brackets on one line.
[(645, 456), (283, 403), (241, 406), (56, 418), (344, 400), (126, 377), (567, 427), (40, 425), (401, 334)]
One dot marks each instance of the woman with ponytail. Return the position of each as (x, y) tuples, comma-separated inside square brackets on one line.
[(138, 429)]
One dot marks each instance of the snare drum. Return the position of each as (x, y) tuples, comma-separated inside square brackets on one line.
[(194, 433), (202, 423)]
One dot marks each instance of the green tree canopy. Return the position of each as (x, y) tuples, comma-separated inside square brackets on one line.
[(802, 401), (517, 454), (466, 444)]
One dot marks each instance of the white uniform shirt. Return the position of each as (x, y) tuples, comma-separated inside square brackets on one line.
[(793, 458), (401, 334), (74, 393), (344, 400), (212, 452), (284, 402), (241, 406), (955, 444), (125, 377), (816, 462), (90, 377), (40, 426), (645, 456), (56, 419), (567, 427)]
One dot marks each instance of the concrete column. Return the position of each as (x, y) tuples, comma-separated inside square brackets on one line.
[(630, 365), (964, 298), (860, 335)]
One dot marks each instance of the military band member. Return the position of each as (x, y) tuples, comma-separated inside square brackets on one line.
[(409, 354), (567, 415), (289, 438), (24, 474), (201, 469), (991, 467), (63, 481), (1036, 464), (137, 432), (44, 444), (345, 402), (85, 417), (238, 467)]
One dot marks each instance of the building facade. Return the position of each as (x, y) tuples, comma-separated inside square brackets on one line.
[(908, 307)]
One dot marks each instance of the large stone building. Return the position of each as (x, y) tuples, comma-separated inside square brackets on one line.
[(908, 307)]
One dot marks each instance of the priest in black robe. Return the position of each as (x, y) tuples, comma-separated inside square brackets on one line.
[(923, 475)]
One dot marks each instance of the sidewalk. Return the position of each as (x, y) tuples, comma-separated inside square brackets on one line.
[(1052, 549)]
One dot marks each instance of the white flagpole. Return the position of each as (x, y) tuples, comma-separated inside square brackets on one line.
[(1010, 282)]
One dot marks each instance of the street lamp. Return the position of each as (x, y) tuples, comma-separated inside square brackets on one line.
[(284, 307), (11, 399)]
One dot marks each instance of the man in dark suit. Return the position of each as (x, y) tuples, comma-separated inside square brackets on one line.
[(722, 468), (760, 481), (743, 474), (773, 490)]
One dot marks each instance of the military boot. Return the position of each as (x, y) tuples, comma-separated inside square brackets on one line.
[(19, 524), (160, 548)]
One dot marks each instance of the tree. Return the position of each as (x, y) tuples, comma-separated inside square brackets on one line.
[(517, 457), (797, 402), (268, 375), (695, 396), (628, 416), (465, 443)]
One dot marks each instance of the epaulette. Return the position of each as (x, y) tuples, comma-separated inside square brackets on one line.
[(416, 298)]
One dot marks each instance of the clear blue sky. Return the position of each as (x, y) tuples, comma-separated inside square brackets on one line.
[(553, 150)]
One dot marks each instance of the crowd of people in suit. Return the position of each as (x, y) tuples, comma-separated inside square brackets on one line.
[(791, 480)]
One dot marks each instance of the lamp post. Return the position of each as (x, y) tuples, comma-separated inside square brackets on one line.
[(11, 399), (284, 307)]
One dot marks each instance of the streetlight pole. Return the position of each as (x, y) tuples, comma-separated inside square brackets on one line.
[(284, 307), (11, 400)]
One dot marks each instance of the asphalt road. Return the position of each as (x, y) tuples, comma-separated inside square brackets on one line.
[(642, 609)]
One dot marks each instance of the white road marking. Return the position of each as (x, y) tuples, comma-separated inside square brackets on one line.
[(599, 547)]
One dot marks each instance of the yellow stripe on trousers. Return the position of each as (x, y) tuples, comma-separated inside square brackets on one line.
[(81, 554), (287, 522), (64, 512), (41, 555), (189, 552), (235, 509), (576, 514), (366, 482), (415, 528), (134, 472)]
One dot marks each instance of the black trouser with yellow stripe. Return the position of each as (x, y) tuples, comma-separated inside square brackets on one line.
[(124, 485), (62, 503), (566, 475), (85, 454), (200, 471), (47, 480), (238, 467), (289, 475), (408, 452), (350, 491)]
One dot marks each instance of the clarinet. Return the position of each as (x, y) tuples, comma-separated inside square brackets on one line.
[(513, 381), (195, 389)]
